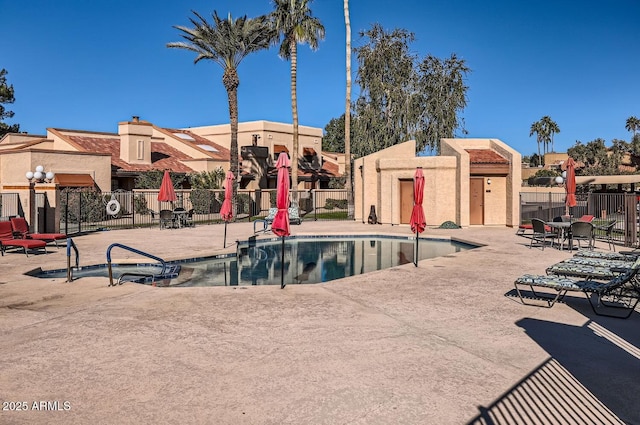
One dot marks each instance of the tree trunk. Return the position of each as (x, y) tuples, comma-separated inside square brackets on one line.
[(231, 83), (294, 111), (347, 116)]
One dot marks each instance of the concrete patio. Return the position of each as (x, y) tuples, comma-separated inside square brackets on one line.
[(443, 343)]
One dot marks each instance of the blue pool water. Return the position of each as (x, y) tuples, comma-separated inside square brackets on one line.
[(306, 260)]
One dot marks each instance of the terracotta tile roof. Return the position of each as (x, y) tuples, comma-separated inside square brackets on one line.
[(219, 152), (163, 156), (485, 156)]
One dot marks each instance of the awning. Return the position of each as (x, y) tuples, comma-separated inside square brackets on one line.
[(280, 148), (308, 152), (74, 180)]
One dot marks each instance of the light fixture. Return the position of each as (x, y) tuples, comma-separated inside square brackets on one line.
[(564, 174), (488, 181), (39, 176), (560, 179)]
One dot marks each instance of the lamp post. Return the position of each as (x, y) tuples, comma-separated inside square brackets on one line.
[(562, 180), (37, 176)]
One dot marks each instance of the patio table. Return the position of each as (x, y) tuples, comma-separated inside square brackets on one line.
[(563, 227), (180, 217)]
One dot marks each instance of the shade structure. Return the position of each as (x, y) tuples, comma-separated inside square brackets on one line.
[(418, 222), (280, 224), (167, 192), (570, 184), (226, 212)]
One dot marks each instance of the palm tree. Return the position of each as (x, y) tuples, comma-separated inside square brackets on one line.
[(550, 128), (347, 113), (633, 125), (537, 129), (292, 19), (227, 42)]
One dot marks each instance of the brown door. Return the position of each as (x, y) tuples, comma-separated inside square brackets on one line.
[(406, 201), (476, 201)]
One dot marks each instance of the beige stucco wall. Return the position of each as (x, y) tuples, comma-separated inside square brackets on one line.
[(270, 134), (366, 185), (439, 204), (501, 200), (14, 165), (447, 178)]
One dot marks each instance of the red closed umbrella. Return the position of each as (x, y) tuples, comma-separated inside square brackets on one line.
[(280, 225), (570, 184), (226, 212), (417, 213), (167, 192)]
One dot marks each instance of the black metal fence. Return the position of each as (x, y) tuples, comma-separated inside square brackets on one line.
[(85, 210), (605, 207)]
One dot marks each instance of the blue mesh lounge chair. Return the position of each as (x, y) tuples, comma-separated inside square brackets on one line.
[(620, 293)]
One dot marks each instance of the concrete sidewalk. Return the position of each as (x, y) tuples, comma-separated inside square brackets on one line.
[(436, 344)]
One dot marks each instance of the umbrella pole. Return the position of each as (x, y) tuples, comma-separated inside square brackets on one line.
[(282, 284), (224, 241), (415, 258)]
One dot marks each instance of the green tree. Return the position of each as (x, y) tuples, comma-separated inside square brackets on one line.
[(152, 179), (295, 24), (402, 98), (207, 179), (633, 125), (227, 42), (387, 78), (333, 139), (443, 92), (6, 97), (537, 128), (550, 129)]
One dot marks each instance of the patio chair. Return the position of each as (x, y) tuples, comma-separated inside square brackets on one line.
[(166, 219), (7, 240), (540, 233), (608, 232), (21, 231), (581, 231), (621, 292)]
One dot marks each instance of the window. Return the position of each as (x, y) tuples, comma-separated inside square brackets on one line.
[(140, 149)]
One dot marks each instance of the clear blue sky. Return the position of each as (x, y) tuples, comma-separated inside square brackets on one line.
[(90, 64)]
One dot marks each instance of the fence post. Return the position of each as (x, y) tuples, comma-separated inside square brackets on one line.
[(313, 201)]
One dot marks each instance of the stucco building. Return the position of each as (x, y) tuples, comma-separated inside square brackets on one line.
[(472, 182)]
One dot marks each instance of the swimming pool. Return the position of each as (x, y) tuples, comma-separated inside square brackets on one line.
[(307, 260)]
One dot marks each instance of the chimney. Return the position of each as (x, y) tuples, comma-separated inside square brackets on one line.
[(135, 141)]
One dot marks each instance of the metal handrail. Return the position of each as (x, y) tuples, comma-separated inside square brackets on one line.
[(71, 244), (135, 251)]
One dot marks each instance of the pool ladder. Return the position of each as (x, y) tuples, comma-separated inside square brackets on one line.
[(167, 272), (70, 245)]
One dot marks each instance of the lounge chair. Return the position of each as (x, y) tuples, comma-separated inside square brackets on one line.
[(587, 218), (622, 255), (21, 231), (294, 218), (8, 241), (620, 292)]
